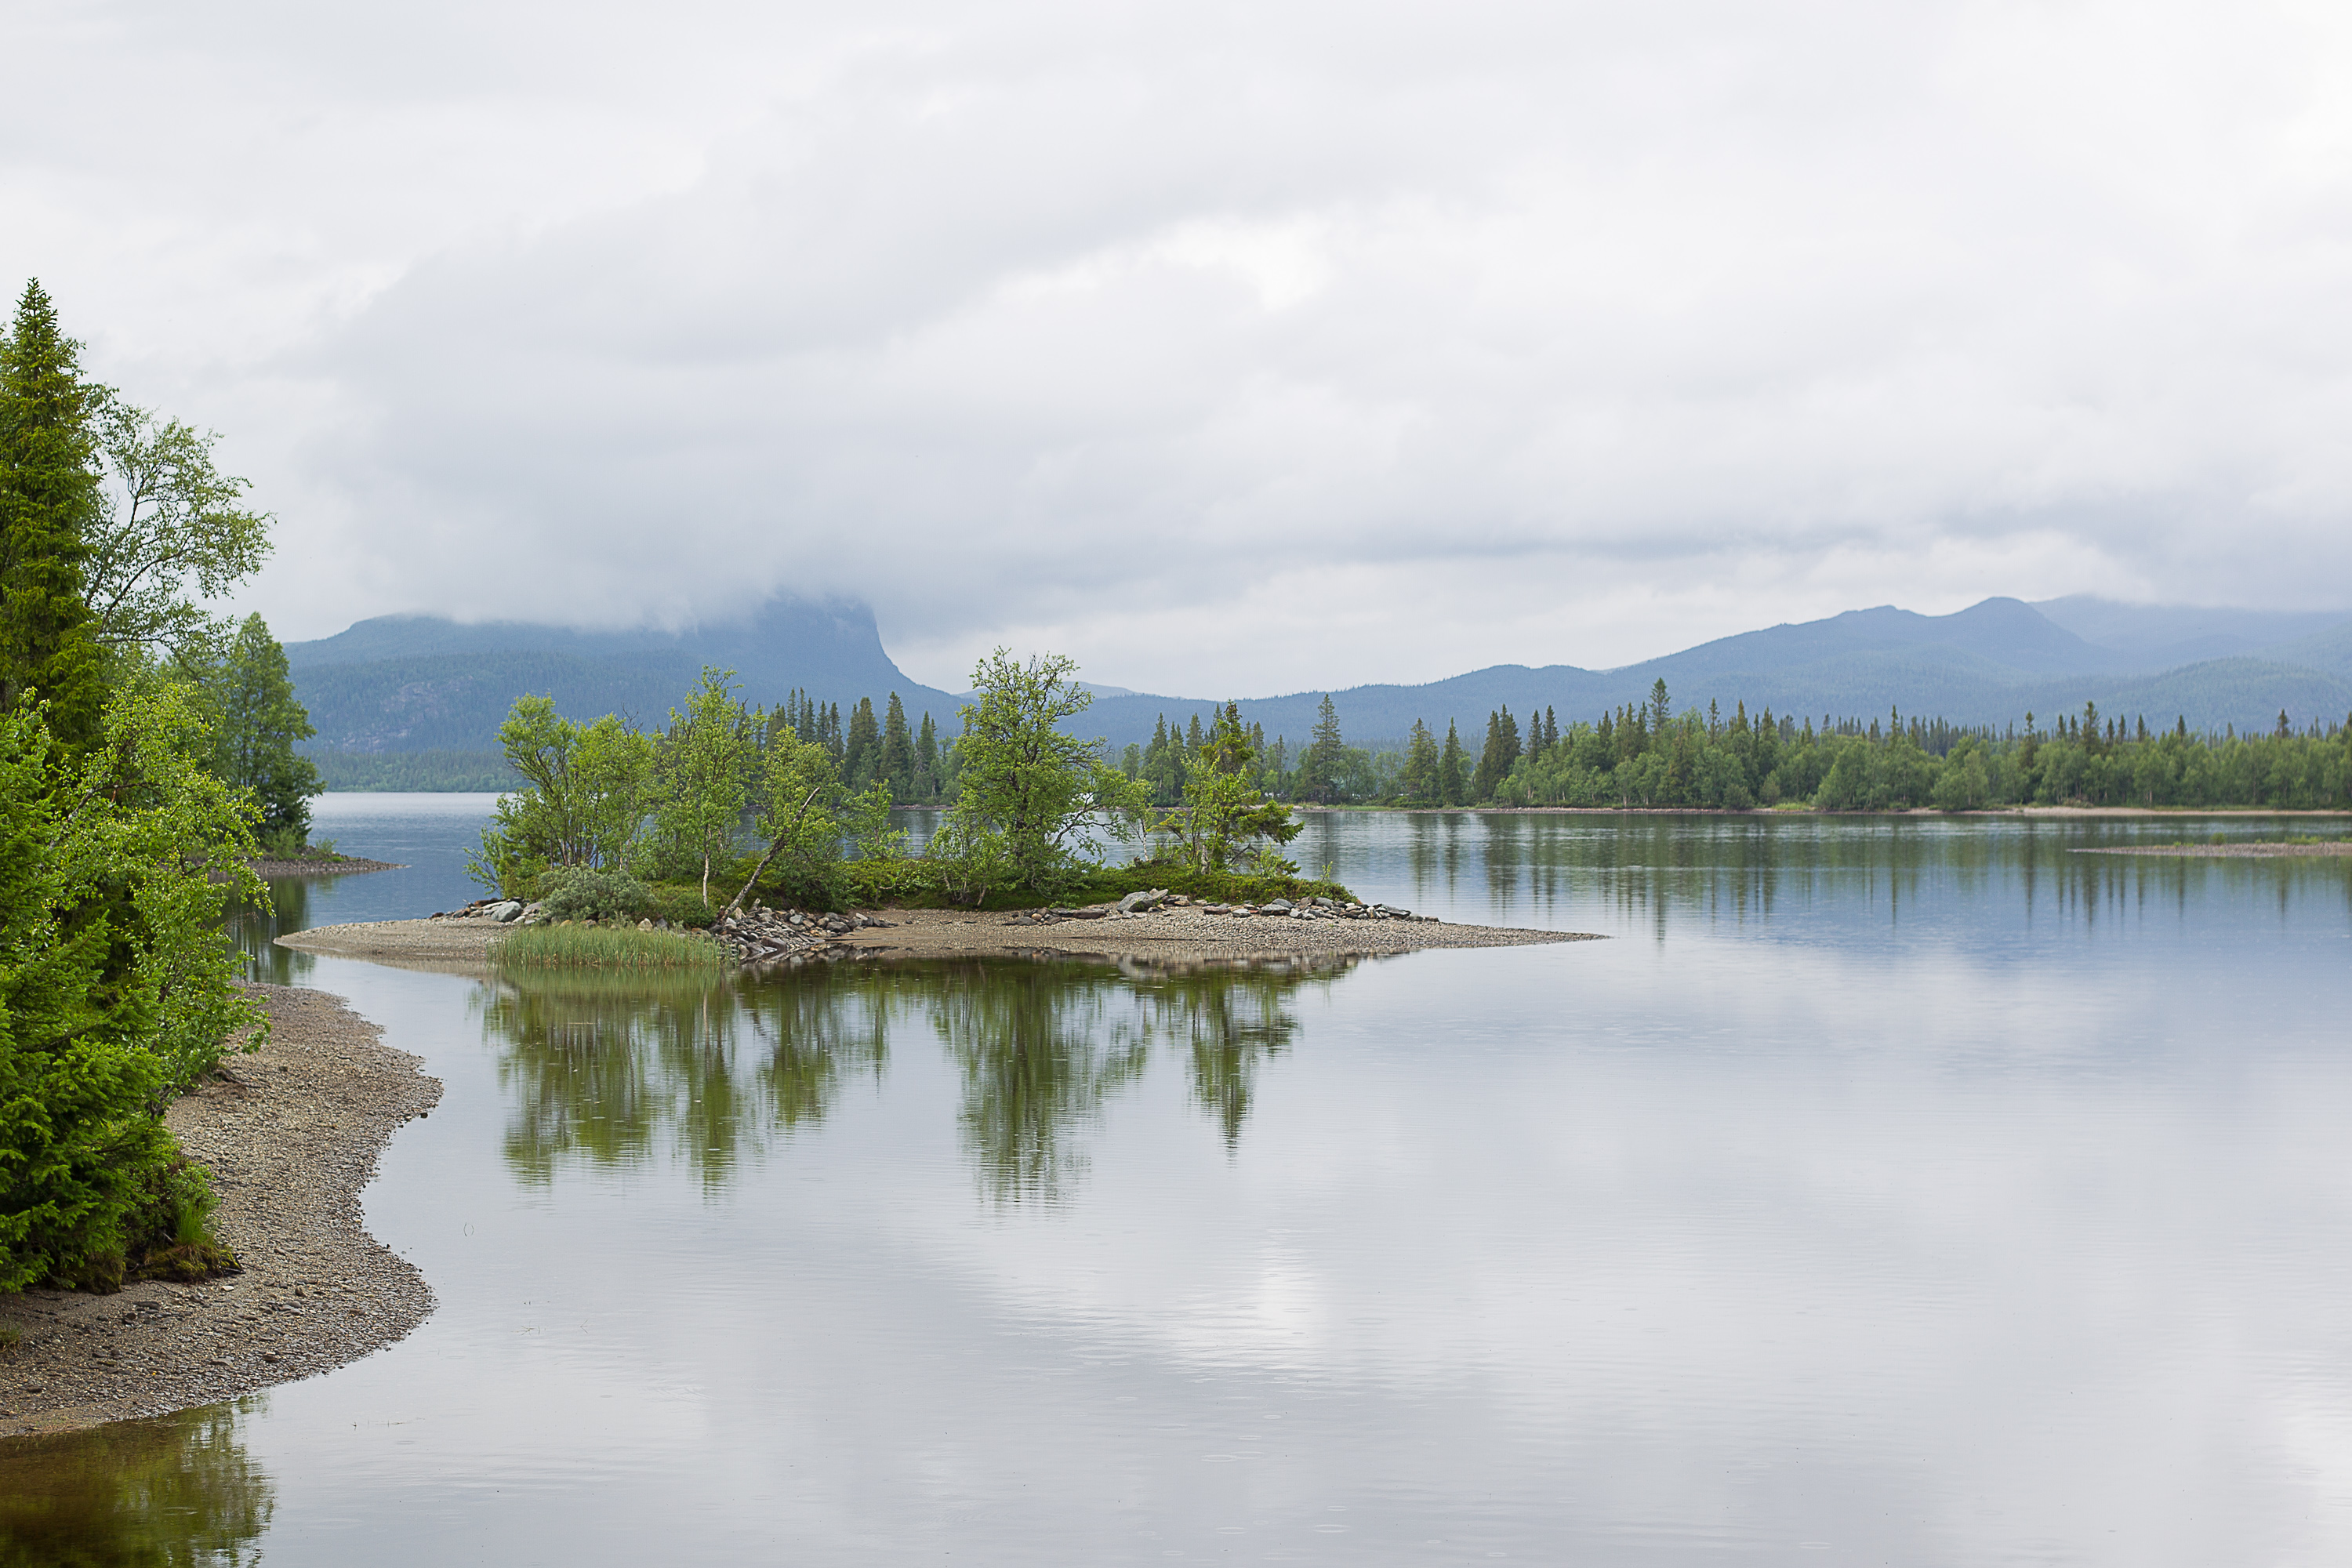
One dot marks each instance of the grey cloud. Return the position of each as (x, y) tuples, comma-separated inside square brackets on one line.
[(1170, 338)]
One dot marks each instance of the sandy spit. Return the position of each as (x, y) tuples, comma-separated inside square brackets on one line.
[(1176, 935), (1180, 934), (291, 1136)]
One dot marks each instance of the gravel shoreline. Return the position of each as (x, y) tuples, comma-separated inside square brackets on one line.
[(1177, 934), (291, 1135)]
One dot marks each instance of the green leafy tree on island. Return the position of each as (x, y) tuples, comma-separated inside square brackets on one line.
[(809, 819), (584, 795), (702, 770), (1026, 787), (1225, 811)]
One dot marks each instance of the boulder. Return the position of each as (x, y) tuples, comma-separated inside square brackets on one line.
[(1277, 906), (1138, 902), (505, 912)]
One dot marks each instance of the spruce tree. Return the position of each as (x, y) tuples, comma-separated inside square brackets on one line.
[(861, 750), (1318, 769), (49, 503), (1420, 768), (897, 764), (1449, 768), (927, 760)]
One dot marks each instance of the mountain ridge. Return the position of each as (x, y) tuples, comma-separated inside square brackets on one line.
[(402, 684)]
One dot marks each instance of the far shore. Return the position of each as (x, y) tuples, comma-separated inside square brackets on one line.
[(1791, 811), (317, 865), (2227, 851)]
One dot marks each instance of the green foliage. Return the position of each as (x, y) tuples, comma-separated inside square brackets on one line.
[(168, 531), (591, 893), (1226, 813), (49, 506), (171, 1235), (116, 990), (701, 779), (583, 805), (248, 697), (809, 819), (1028, 789), (605, 947)]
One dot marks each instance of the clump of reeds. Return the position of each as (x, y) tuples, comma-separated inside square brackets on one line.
[(565, 946)]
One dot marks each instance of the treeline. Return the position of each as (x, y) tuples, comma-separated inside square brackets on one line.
[(913, 766), (1649, 755), (143, 743)]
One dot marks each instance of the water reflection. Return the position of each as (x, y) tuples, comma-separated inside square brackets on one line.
[(287, 909), (611, 1072), (175, 1490), (1629, 873)]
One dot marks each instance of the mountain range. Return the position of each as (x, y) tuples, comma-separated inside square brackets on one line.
[(400, 685)]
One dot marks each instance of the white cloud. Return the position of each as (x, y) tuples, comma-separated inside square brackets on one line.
[(1236, 349)]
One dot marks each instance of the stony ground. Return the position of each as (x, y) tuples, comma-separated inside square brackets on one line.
[(291, 1136), (1180, 933)]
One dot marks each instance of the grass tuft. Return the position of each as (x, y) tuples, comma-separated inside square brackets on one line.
[(605, 947)]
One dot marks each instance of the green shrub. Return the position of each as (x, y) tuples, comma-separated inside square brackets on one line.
[(917, 884), (582, 893), (173, 1235), (605, 947)]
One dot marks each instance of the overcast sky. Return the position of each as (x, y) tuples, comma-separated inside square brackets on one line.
[(1234, 348)]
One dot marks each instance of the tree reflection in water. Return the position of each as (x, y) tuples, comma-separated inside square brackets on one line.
[(173, 1489), (253, 929), (614, 1072)]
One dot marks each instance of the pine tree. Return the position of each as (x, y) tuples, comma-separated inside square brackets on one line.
[(1661, 708), (1450, 782), (48, 501)]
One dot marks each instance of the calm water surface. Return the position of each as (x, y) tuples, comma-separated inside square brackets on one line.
[(1885, 1192)]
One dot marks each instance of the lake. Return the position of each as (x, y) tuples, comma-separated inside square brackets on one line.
[(1887, 1190)]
